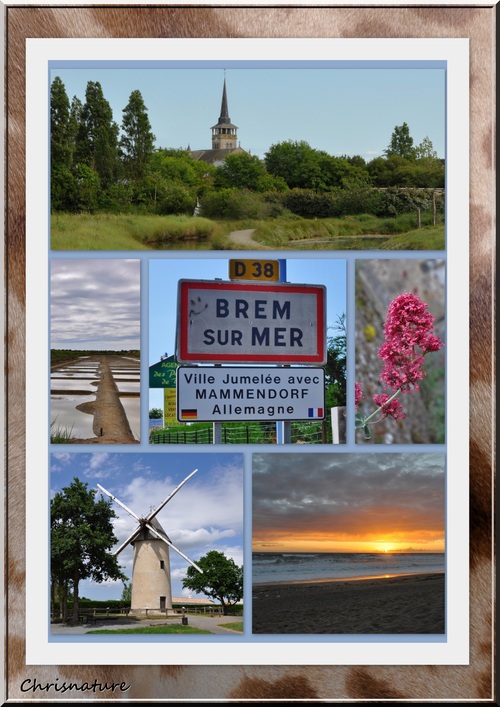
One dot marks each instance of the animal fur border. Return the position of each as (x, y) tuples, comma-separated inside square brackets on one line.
[(267, 683)]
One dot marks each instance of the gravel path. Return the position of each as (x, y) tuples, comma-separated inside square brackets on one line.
[(244, 239), (202, 622)]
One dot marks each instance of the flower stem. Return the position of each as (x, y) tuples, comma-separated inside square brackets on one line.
[(382, 406)]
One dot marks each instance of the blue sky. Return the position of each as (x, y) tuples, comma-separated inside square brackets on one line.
[(206, 514), (164, 275), (350, 111)]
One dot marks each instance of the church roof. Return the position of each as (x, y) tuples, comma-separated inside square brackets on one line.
[(214, 156)]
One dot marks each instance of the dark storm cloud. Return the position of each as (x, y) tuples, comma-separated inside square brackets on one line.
[(347, 494), (95, 304)]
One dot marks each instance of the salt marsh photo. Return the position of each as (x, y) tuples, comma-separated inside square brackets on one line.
[(326, 156), (146, 543), (94, 351), (348, 543)]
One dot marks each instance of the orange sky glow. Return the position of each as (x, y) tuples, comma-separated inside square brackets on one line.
[(322, 502)]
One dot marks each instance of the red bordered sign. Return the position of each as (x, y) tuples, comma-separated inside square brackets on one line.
[(231, 322)]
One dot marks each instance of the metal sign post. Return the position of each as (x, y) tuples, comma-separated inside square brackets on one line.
[(283, 429)]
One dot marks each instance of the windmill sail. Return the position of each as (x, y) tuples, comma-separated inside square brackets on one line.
[(146, 522)]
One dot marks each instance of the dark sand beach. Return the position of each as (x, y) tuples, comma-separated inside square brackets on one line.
[(409, 604)]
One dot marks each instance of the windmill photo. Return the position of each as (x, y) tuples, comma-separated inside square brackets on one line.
[(151, 581)]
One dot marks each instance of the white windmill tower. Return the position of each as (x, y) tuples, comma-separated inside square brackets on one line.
[(151, 583)]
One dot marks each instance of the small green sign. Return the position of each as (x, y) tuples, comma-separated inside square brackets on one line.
[(162, 374)]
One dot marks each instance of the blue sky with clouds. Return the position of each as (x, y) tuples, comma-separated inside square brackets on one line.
[(344, 111), (95, 304), (206, 513)]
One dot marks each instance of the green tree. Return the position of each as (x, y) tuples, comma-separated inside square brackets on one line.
[(425, 150), (221, 580), (126, 591), (401, 143), (97, 137), (296, 162), (81, 537), (61, 145), (335, 369), (137, 141), (155, 414), (244, 171)]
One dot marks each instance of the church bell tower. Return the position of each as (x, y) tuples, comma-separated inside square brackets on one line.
[(224, 134)]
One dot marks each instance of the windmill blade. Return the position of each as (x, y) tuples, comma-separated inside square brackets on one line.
[(119, 503), (129, 540), (170, 544), (157, 510)]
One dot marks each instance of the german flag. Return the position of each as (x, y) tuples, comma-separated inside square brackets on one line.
[(189, 414)]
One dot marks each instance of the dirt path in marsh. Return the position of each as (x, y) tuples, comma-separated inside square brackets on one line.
[(244, 239), (110, 421)]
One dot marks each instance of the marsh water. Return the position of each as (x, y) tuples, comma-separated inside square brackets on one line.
[(76, 382)]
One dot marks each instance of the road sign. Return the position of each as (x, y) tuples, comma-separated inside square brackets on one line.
[(162, 374), (216, 394), (232, 322), (263, 270)]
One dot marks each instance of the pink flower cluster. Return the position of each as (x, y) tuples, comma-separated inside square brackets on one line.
[(393, 409), (408, 337), (358, 394)]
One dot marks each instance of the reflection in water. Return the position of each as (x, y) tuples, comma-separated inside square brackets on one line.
[(76, 383), (127, 386), (87, 386), (67, 420), (132, 407)]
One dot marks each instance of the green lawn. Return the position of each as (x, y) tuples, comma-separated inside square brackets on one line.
[(176, 628), (235, 626)]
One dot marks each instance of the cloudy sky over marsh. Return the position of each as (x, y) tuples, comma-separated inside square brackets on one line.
[(348, 502), (95, 304), (206, 513)]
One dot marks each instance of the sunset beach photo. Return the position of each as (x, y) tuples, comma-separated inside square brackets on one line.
[(348, 543)]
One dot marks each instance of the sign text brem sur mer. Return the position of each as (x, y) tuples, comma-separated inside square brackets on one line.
[(234, 322)]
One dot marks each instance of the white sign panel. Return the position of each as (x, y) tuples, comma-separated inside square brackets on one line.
[(243, 393), (231, 322)]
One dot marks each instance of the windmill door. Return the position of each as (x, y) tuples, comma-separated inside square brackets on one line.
[(163, 603)]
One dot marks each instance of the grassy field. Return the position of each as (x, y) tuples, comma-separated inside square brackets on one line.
[(148, 232), (177, 628), (235, 626), (126, 231)]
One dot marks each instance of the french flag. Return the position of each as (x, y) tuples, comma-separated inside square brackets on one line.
[(315, 412)]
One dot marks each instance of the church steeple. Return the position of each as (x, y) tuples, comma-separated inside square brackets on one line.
[(224, 134), (224, 111)]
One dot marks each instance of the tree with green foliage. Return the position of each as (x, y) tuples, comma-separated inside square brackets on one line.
[(126, 592), (97, 137), (335, 368), (425, 150), (401, 143), (221, 580), (155, 414), (296, 162), (81, 537), (244, 171), (61, 146), (137, 140)]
